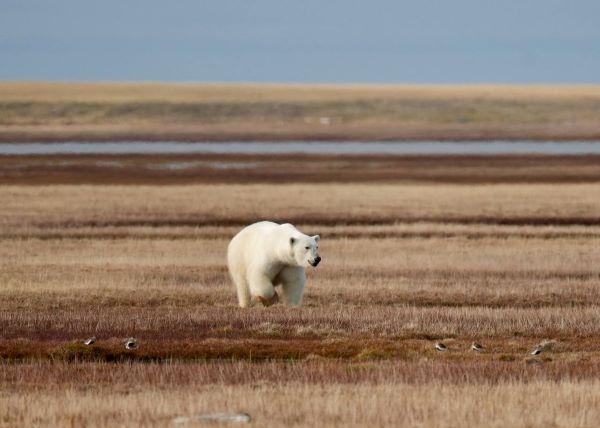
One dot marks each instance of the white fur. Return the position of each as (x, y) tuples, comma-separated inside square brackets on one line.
[(266, 254)]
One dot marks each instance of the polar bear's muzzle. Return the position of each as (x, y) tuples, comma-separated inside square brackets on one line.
[(315, 262)]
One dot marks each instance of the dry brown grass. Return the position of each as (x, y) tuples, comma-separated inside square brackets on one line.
[(318, 204), (404, 265), (309, 394), (103, 111), (491, 261), (563, 404)]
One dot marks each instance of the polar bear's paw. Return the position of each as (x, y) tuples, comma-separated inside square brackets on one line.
[(268, 301)]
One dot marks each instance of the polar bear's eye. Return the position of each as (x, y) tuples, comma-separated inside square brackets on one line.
[(306, 248)]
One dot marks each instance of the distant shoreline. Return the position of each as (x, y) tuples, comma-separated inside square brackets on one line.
[(61, 112)]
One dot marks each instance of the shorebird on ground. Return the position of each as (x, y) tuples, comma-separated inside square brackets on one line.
[(90, 341), (441, 347), (131, 343), (477, 347), (538, 350)]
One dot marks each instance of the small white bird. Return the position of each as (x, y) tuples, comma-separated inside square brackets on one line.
[(477, 347), (90, 341), (131, 343), (441, 347), (538, 350)]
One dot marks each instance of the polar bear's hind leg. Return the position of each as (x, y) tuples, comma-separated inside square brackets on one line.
[(262, 290), (243, 292)]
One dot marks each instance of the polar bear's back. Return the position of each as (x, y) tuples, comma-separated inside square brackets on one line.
[(244, 244), (254, 232)]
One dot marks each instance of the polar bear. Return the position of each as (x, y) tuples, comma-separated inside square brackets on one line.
[(265, 255)]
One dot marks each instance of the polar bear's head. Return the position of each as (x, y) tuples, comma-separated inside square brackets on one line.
[(305, 250)]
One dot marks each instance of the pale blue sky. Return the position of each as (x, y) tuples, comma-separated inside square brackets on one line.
[(458, 41)]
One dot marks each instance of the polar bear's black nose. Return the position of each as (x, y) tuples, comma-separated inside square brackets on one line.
[(317, 260)]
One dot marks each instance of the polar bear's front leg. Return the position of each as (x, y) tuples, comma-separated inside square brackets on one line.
[(262, 290), (292, 281)]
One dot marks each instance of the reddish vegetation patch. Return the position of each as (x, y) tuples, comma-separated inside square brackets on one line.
[(177, 169)]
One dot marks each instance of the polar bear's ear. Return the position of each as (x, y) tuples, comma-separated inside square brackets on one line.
[(316, 238), (292, 240)]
